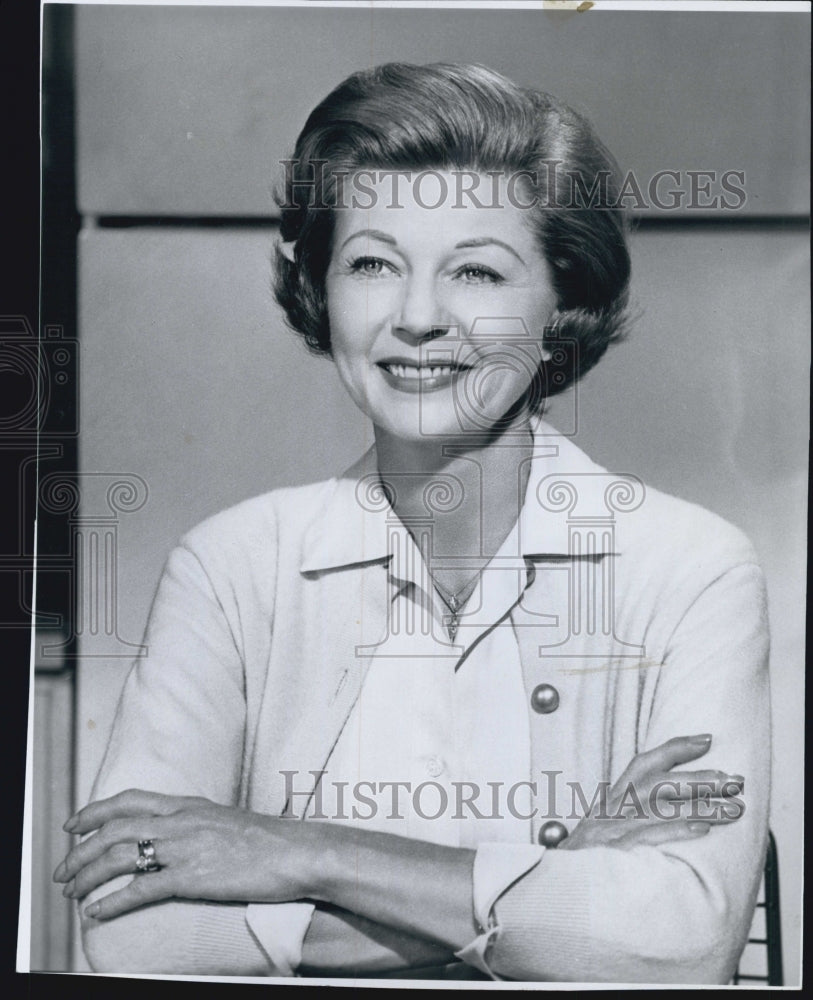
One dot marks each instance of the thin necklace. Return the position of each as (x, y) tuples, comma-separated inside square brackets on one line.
[(455, 602)]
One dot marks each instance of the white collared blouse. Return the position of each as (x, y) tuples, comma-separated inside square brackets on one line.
[(614, 618)]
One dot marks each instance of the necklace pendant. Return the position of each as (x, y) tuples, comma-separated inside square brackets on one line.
[(452, 620)]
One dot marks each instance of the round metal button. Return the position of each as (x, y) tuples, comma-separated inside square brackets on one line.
[(552, 833), (545, 699), (434, 767)]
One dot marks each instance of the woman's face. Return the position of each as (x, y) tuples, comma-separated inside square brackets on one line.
[(437, 314)]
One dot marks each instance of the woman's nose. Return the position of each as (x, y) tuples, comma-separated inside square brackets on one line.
[(421, 314)]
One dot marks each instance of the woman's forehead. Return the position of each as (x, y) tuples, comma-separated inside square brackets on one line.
[(441, 205)]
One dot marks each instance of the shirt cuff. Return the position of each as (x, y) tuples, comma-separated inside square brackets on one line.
[(280, 928), (496, 867)]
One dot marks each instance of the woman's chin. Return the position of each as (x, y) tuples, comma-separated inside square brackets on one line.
[(432, 423)]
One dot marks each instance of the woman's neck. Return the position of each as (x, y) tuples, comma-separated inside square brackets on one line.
[(468, 489)]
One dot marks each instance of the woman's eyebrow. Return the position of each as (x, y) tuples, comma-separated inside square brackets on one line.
[(482, 241), (372, 234)]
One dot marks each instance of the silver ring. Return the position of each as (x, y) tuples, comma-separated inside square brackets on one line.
[(146, 861)]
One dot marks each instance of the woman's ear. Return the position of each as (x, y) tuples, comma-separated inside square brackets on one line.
[(550, 333), (287, 249)]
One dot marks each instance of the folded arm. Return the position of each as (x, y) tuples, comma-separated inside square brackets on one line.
[(678, 911), (180, 730), (672, 911)]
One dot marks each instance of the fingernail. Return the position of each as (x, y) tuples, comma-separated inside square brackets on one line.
[(68, 890), (71, 824), (704, 738), (92, 910), (60, 873), (734, 785), (699, 828)]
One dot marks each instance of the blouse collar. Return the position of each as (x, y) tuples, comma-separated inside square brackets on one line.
[(566, 491)]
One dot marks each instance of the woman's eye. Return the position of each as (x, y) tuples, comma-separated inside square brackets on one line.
[(476, 274), (369, 266)]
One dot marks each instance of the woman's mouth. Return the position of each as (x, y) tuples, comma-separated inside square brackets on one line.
[(420, 378)]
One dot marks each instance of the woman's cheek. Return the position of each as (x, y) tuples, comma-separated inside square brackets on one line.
[(478, 310), (379, 304), (353, 376)]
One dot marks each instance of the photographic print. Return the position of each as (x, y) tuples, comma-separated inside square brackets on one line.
[(421, 494)]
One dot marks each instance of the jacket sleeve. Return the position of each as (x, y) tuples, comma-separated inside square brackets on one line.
[(179, 730), (679, 912)]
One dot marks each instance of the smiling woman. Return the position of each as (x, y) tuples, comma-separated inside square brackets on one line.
[(375, 681), (477, 281)]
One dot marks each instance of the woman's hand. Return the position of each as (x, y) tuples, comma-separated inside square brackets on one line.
[(653, 804), (205, 850)]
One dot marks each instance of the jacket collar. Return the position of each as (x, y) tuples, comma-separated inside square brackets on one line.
[(356, 524)]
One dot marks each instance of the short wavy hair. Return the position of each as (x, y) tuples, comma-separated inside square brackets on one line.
[(448, 117)]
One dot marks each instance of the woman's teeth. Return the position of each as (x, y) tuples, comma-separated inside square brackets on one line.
[(424, 372)]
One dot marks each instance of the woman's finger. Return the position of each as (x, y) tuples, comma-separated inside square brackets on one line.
[(671, 785), (607, 828), (147, 889), (655, 834), (712, 809), (696, 785), (120, 859), (117, 831), (629, 797), (133, 802), (679, 750)]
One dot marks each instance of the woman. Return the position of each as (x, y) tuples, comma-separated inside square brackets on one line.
[(476, 663)]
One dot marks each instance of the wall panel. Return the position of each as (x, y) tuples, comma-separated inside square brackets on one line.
[(189, 110)]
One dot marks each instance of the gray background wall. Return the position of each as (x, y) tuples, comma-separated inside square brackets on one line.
[(190, 381)]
